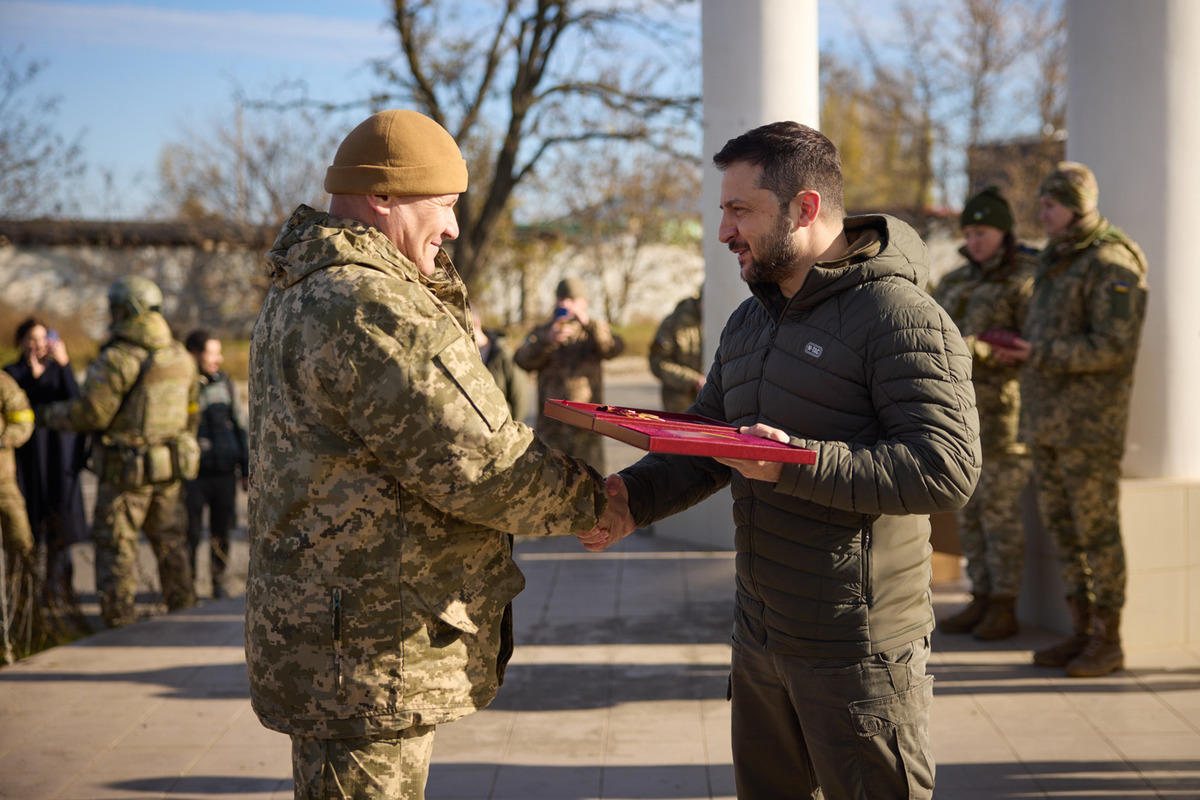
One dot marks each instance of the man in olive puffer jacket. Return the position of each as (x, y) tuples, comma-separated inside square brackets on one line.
[(842, 351)]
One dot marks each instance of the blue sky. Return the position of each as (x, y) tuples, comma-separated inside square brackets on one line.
[(131, 75)]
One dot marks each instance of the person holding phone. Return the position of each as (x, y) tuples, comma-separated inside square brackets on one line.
[(567, 353), (48, 468)]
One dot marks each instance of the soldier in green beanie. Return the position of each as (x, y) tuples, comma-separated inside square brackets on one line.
[(387, 476), (1077, 352), (987, 296)]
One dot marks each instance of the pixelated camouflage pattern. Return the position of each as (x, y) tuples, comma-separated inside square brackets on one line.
[(393, 766), (980, 297), (1078, 495), (1084, 322), (990, 528), (572, 370), (139, 397), (677, 355), (16, 426), (511, 379), (386, 476)]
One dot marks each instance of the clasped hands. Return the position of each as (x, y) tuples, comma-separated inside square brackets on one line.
[(617, 522)]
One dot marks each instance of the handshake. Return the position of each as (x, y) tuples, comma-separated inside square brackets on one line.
[(615, 523)]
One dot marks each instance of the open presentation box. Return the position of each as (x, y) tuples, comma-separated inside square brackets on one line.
[(668, 432)]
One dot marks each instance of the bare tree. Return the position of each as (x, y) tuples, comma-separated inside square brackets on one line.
[(929, 101), (250, 168), (625, 203), (515, 80), (37, 164), (1045, 35)]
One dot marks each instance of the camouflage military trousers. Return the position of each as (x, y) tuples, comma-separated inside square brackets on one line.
[(1077, 497), (990, 529), (120, 517), (14, 522), (387, 767), (573, 441)]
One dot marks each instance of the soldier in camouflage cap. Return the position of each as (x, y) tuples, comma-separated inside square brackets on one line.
[(140, 401), (567, 353), (989, 293), (1077, 350), (386, 476)]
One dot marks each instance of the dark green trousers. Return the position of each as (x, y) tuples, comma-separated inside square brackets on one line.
[(844, 729)]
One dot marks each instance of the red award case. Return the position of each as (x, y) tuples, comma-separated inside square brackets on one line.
[(668, 432)]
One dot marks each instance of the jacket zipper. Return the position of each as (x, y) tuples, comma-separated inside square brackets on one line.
[(867, 530), (336, 609), (758, 413)]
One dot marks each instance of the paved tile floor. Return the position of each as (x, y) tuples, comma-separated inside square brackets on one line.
[(616, 691)]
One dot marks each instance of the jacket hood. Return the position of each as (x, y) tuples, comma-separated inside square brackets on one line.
[(880, 247), (149, 330), (313, 240)]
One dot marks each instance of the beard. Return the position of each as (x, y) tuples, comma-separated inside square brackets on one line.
[(777, 257)]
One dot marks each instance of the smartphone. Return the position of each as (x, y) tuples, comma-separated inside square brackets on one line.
[(51, 335), (560, 313)]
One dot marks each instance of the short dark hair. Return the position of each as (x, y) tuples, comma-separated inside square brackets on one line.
[(794, 158), (25, 327), (197, 339)]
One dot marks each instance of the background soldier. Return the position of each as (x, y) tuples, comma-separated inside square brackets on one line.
[(1078, 348), (991, 293), (16, 426), (567, 354), (139, 398), (677, 354)]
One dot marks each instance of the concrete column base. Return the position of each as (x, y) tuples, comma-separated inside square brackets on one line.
[(1160, 525)]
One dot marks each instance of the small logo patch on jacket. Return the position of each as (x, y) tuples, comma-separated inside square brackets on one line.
[(814, 349)]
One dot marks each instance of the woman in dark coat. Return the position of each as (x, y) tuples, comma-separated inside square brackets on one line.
[(48, 468)]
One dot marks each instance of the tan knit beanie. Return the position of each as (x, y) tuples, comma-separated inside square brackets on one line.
[(397, 152)]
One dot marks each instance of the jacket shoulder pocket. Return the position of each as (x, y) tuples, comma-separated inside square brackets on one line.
[(459, 361)]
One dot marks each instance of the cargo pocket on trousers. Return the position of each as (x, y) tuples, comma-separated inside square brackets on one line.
[(893, 742)]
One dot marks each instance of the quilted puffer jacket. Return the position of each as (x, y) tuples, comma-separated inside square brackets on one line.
[(862, 366)]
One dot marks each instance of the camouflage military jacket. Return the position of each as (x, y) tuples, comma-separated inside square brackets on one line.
[(571, 370), (140, 389), (386, 475), (676, 355), (16, 425), (980, 297), (1085, 322)]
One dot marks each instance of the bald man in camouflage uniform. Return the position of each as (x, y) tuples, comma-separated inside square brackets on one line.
[(1078, 348), (140, 401), (16, 426), (386, 477), (567, 353), (677, 355), (991, 292)]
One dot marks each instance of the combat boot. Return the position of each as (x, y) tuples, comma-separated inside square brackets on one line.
[(966, 620), (1059, 655), (1000, 621), (1103, 652)]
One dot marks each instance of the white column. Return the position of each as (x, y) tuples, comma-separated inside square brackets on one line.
[(1133, 69), (1132, 117), (760, 65)]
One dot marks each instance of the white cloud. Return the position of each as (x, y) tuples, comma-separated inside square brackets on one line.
[(271, 36)]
